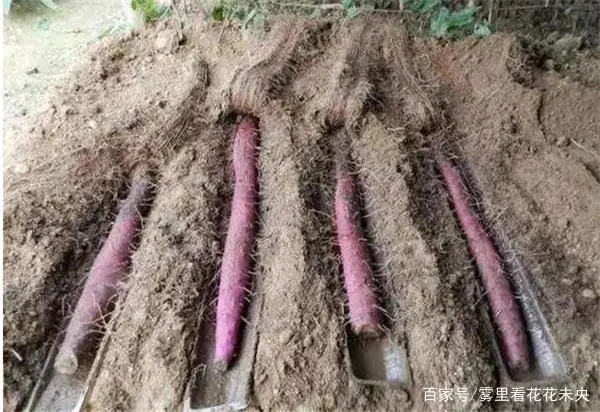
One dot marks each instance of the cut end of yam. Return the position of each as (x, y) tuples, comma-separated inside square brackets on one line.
[(519, 367), (221, 366), (66, 362), (368, 331)]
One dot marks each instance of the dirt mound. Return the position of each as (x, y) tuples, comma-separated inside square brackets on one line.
[(167, 102)]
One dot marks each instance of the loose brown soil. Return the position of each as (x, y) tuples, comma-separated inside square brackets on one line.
[(166, 99), (546, 20)]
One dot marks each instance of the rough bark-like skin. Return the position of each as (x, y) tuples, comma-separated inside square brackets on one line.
[(109, 268), (505, 309), (237, 256), (365, 316)]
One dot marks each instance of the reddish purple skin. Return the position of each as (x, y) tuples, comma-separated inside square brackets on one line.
[(108, 269), (237, 256), (365, 316), (504, 306)]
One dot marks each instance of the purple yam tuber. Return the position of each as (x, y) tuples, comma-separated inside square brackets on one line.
[(505, 309), (365, 315), (237, 256), (108, 269)]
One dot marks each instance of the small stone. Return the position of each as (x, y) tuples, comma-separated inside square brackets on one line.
[(565, 48), (549, 64), (567, 281), (162, 104), (35, 70), (564, 223), (202, 17), (132, 123), (93, 124), (21, 169), (285, 336), (68, 110), (261, 378), (307, 341), (562, 141), (166, 41), (588, 293), (329, 401), (281, 367), (553, 37), (444, 328)]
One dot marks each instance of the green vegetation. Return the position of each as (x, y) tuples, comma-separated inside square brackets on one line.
[(442, 21), (353, 8), (6, 4), (243, 12), (450, 24), (150, 9)]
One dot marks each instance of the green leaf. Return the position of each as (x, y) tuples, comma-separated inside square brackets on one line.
[(424, 6), (217, 14), (50, 4), (42, 24), (352, 12), (259, 20), (439, 23), (482, 29), (453, 24), (249, 17), (462, 18), (449, 24), (347, 4), (382, 4)]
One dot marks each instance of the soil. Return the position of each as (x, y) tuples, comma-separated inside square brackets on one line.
[(40, 48), (548, 18), (167, 99)]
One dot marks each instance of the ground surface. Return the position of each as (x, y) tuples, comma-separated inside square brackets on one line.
[(166, 98), (41, 46)]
